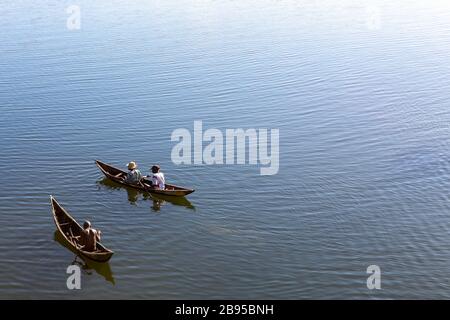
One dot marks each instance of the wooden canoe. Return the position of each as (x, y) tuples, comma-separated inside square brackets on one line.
[(113, 173), (102, 268), (133, 194), (69, 228)]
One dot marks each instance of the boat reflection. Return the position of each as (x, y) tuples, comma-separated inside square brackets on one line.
[(86, 265), (158, 200)]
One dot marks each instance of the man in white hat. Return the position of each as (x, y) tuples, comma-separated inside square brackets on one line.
[(133, 175)]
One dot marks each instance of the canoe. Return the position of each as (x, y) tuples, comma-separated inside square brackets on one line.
[(102, 268), (113, 173), (69, 228), (133, 194)]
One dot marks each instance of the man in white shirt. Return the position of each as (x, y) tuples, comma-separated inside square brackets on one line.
[(158, 180)]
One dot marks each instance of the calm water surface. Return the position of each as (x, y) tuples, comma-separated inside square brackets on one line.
[(361, 101)]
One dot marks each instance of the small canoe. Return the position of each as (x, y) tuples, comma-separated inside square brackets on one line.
[(116, 175), (69, 229), (102, 268), (133, 194)]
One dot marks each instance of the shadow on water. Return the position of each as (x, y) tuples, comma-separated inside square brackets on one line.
[(158, 200), (86, 265)]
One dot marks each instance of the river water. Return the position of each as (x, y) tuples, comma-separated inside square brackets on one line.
[(359, 91)]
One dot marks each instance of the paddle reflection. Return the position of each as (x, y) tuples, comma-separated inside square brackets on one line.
[(158, 200), (86, 265)]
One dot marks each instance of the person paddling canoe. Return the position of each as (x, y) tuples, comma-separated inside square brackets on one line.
[(133, 175), (89, 237)]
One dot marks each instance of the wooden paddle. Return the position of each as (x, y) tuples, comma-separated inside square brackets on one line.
[(73, 239)]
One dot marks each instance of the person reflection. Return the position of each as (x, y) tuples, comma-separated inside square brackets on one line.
[(83, 265), (88, 268), (133, 196), (157, 203)]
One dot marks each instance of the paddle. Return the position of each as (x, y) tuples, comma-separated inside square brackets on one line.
[(74, 239), (119, 174), (143, 185)]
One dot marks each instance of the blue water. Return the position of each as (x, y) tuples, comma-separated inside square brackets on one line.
[(358, 90)]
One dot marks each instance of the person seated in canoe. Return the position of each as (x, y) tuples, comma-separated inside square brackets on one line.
[(133, 174), (89, 237), (158, 181)]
